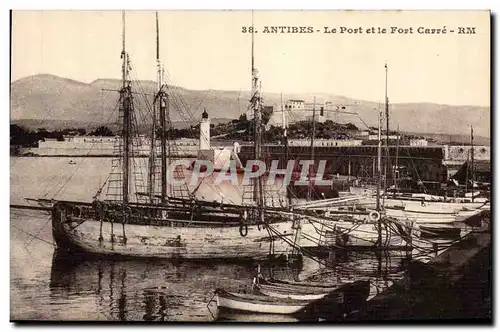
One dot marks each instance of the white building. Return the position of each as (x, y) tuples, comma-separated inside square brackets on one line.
[(294, 104), (375, 137), (319, 142), (418, 142)]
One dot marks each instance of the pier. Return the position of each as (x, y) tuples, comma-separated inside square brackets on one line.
[(453, 286)]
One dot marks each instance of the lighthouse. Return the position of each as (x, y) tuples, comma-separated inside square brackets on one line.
[(205, 151), (204, 131)]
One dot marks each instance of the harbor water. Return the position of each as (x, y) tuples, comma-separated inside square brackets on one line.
[(46, 285)]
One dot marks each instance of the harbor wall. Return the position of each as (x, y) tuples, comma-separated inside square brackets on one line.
[(455, 285), (425, 163), (109, 146), (343, 157)]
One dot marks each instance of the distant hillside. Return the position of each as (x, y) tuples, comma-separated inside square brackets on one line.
[(88, 125), (47, 98)]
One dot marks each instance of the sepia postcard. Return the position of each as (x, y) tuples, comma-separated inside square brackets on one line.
[(250, 166)]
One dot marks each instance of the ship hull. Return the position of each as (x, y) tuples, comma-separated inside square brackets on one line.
[(436, 207), (95, 237), (421, 217), (350, 235), (197, 240)]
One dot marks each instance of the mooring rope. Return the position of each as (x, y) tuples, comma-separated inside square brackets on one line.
[(33, 235)]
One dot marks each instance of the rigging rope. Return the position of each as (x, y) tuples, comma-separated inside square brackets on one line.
[(38, 232), (83, 159), (32, 235)]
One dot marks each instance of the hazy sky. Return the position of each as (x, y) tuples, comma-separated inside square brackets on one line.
[(207, 50)]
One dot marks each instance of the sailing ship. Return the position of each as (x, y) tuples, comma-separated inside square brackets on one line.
[(165, 226), (362, 221), (312, 191), (162, 225), (423, 208)]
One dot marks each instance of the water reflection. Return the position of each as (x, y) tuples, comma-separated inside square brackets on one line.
[(146, 290), (155, 290)]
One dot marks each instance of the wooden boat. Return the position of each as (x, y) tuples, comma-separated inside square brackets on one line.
[(431, 206), (357, 229), (421, 217), (354, 296), (75, 228), (298, 284), (424, 217), (469, 213), (361, 235), (353, 229), (345, 296), (297, 291), (430, 231), (291, 293), (158, 226), (258, 303), (228, 315), (425, 203)]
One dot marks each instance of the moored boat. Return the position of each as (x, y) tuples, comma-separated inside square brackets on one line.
[(439, 231), (293, 290), (343, 298), (421, 217), (432, 206), (258, 303), (154, 225), (83, 230), (298, 284), (294, 293)]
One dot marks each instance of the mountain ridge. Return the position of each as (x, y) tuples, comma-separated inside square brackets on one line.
[(50, 97)]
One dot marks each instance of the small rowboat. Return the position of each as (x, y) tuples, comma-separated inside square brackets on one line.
[(287, 293), (328, 304), (227, 315), (307, 284), (258, 303), (294, 290)]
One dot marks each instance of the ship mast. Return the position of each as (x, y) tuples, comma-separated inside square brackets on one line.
[(163, 106), (309, 188), (255, 102), (152, 155), (285, 135), (387, 133), (126, 109), (379, 173), (396, 169), (472, 160)]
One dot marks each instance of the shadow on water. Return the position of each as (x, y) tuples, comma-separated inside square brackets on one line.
[(158, 290), (378, 269), (143, 290)]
